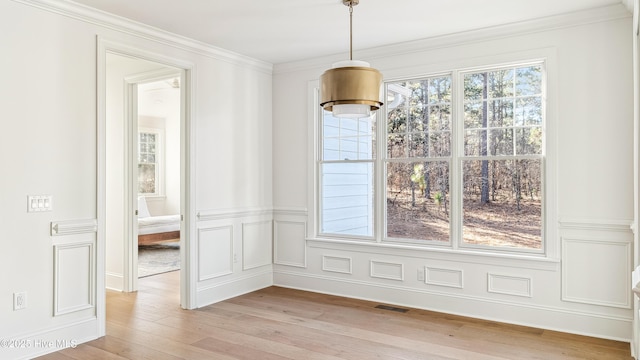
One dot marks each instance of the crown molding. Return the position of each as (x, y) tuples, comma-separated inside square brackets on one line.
[(117, 23), (567, 20)]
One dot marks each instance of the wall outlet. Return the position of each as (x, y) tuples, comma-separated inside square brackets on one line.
[(235, 257), (19, 301), (421, 274)]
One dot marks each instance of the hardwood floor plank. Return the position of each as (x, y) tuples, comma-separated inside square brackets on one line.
[(309, 340), (87, 351), (280, 323), (179, 346)]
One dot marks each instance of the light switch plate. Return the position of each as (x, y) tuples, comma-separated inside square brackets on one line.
[(39, 203)]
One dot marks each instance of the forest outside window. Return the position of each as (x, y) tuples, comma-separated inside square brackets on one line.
[(460, 164)]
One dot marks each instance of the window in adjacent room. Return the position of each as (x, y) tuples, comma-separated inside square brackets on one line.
[(149, 162)]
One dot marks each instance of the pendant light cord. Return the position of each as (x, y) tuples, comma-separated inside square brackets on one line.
[(350, 31)]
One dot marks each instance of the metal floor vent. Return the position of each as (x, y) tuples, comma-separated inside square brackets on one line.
[(392, 308)]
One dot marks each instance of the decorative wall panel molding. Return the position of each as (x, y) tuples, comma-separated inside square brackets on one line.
[(596, 224), (71, 227), (74, 285), (337, 264), (289, 243), (215, 252), (444, 277), (432, 253), (298, 212), (509, 285), (387, 270), (593, 322), (597, 272), (207, 215), (256, 244)]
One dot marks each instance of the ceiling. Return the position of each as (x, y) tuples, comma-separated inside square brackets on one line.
[(279, 31)]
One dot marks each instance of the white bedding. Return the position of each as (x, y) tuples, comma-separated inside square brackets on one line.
[(158, 224)]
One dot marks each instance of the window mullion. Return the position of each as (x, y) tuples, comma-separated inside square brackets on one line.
[(380, 171), (457, 138)]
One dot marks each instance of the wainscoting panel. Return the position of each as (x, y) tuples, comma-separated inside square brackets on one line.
[(444, 277), (289, 242), (596, 271), (387, 270), (337, 264), (74, 285), (509, 285), (256, 244), (215, 252)]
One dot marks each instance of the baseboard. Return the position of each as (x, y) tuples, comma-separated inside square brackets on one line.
[(114, 281), (211, 294), (550, 318), (50, 340)]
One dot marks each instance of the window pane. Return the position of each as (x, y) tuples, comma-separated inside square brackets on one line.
[(419, 118), (347, 139), (500, 113), (528, 111), (529, 80), (502, 203), (440, 143), (512, 119), (440, 90), (418, 200), (475, 143), (347, 198), (501, 142), (418, 145), (147, 178), (473, 114), (397, 145), (529, 141), (500, 83)]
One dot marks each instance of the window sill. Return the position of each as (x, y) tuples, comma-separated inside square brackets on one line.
[(439, 253)]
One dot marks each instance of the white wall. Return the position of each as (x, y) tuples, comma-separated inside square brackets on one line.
[(49, 146), (583, 285)]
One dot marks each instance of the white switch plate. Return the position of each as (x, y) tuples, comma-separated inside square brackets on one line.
[(39, 203)]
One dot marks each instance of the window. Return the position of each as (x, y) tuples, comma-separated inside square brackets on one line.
[(458, 161), (418, 159), (347, 176), (149, 163), (502, 159)]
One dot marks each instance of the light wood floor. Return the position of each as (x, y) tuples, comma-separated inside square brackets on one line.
[(278, 323)]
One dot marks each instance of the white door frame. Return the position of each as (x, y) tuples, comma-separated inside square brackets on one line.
[(187, 177)]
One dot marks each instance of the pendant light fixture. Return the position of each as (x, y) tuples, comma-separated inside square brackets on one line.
[(350, 88)]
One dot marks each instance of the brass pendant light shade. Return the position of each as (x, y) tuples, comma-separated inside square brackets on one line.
[(351, 88), (350, 85)]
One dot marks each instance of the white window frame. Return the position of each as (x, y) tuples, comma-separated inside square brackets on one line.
[(160, 172), (546, 258)]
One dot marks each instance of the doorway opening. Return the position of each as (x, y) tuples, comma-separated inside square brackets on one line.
[(158, 175), (145, 173)]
